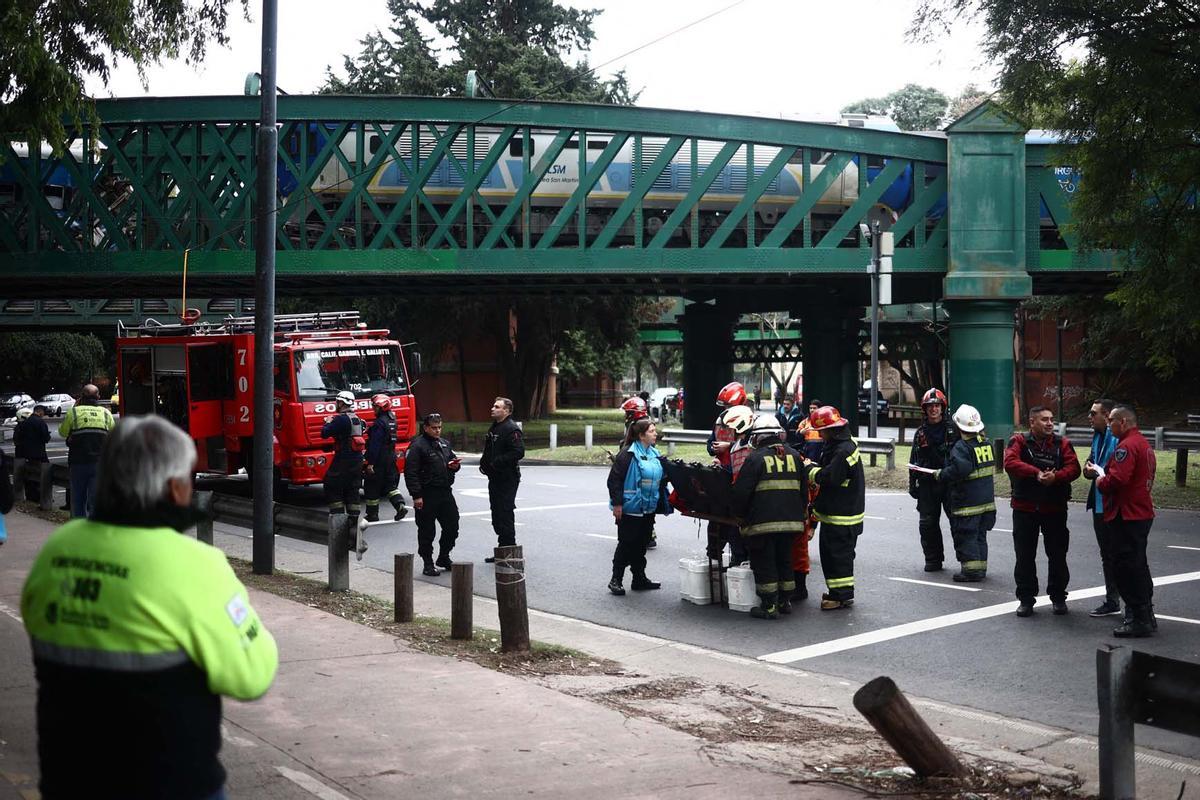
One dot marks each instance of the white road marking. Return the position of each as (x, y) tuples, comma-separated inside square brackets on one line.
[(311, 784), (238, 740), (11, 612), (481, 493), (600, 536), (935, 583), (1178, 619), (1003, 530), (523, 509), (935, 623), (881, 519), (555, 485), (1181, 547)]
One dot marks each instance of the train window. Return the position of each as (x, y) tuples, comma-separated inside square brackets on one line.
[(516, 147), (373, 146), (593, 144), (875, 162)]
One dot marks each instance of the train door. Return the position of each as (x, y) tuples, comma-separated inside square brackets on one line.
[(208, 385)]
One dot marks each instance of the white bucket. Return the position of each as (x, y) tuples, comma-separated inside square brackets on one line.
[(739, 587), (693, 581)]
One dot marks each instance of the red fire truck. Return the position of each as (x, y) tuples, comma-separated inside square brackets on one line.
[(200, 376)]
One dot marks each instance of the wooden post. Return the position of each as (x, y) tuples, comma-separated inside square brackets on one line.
[(510, 599), (1114, 694), (204, 527), (462, 600), (890, 713), (1181, 465), (403, 574), (339, 553)]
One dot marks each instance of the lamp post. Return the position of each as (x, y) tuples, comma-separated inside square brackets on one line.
[(879, 268)]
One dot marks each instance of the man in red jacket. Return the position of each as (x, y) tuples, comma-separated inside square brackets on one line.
[(1129, 510), (1041, 467)]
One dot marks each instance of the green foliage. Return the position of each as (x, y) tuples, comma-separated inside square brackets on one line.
[(49, 47), (39, 363), (520, 48), (1118, 79), (912, 108), (970, 96)]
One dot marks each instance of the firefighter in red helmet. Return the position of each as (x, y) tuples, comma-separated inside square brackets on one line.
[(840, 505), (382, 476), (930, 448), (635, 409)]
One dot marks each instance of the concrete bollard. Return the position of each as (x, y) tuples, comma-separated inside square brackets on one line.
[(18, 478), (204, 528), (402, 572), (46, 487), (462, 600), (553, 435), (339, 553), (587, 438), (1159, 439)]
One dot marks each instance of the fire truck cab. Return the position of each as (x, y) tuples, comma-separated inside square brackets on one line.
[(200, 376)]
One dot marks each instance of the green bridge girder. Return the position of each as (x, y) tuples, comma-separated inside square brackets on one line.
[(102, 314), (402, 192)]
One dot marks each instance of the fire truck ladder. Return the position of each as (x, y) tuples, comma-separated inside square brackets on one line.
[(284, 323)]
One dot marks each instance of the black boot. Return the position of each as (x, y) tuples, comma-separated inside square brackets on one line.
[(401, 509), (641, 583), (768, 608), (801, 592), (430, 569), (614, 585), (372, 514), (443, 561), (785, 603), (1138, 626)]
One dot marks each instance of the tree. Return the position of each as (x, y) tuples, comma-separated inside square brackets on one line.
[(967, 99), (48, 48), (912, 108), (39, 363), (1115, 79)]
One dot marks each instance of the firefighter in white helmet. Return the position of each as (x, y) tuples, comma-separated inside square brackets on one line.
[(970, 476)]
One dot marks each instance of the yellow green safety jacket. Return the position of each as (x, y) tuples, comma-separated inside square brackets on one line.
[(85, 428), (136, 633)]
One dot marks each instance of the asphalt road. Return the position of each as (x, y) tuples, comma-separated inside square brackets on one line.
[(1040, 669)]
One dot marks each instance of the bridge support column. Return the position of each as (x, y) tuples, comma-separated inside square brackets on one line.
[(831, 355), (981, 360), (707, 360), (986, 274)]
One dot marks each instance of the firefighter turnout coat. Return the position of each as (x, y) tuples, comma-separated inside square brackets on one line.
[(771, 493), (842, 499)]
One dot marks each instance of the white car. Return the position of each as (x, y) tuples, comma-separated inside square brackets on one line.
[(663, 399), (57, 404)]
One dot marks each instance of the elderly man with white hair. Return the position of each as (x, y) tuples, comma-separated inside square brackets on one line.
[(137, 632)]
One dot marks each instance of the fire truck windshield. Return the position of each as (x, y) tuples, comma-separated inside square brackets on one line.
[(366, 370)]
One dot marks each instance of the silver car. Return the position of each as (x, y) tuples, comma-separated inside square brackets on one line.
[(57, 404)]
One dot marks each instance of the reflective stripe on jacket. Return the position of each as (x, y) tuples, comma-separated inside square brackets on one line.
[(970, 472), (842, 499), (85, 428)]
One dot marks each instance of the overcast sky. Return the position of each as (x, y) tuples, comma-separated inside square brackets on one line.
[(794, 58)]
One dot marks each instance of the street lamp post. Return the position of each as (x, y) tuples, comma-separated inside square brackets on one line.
[(879, 269)]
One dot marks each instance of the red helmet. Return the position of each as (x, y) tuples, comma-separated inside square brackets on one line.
[(732, 394), (381, 401), (635, 408), (933, 396), (825, 417)]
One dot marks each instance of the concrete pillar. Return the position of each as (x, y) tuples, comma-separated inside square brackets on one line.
[(981, 360), (552, 388), (707, 360), (986, 274), (830, 335)]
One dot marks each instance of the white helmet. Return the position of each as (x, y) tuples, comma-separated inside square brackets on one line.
[(967, 419), (738, 419), (24, 413), (346, 397), (766, 425)]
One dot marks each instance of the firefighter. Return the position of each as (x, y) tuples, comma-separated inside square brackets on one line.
[(771, 496), (344, 478), (635, 409), (970, 478), (382, 477), (931, 445), (429, 474), (734, 423), (840, 504)]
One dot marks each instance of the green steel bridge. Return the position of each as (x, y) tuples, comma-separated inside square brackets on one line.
[(164, 185)]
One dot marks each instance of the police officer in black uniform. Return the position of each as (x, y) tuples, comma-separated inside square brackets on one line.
[(429, 474), (930, 448), (343, 480), (382, 478), (503, 449)]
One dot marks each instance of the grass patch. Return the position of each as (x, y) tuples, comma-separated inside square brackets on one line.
[(427, 634)]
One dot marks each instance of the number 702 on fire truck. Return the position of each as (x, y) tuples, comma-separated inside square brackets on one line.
[(200, 376)]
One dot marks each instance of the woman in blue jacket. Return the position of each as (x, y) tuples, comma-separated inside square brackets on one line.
[(636, 492)]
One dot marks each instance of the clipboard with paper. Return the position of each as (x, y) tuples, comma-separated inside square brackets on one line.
[(922, 470)]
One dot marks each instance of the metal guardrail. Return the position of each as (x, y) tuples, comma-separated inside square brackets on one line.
[(1139, 688), (1181, 441), (674, 436), (884, 447)]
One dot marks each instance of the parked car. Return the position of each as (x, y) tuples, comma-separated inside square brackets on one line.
[(864, 399), (10, 402), (663, 402), (57, 404)]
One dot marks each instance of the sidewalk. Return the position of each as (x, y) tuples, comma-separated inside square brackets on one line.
[(379, 719)]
